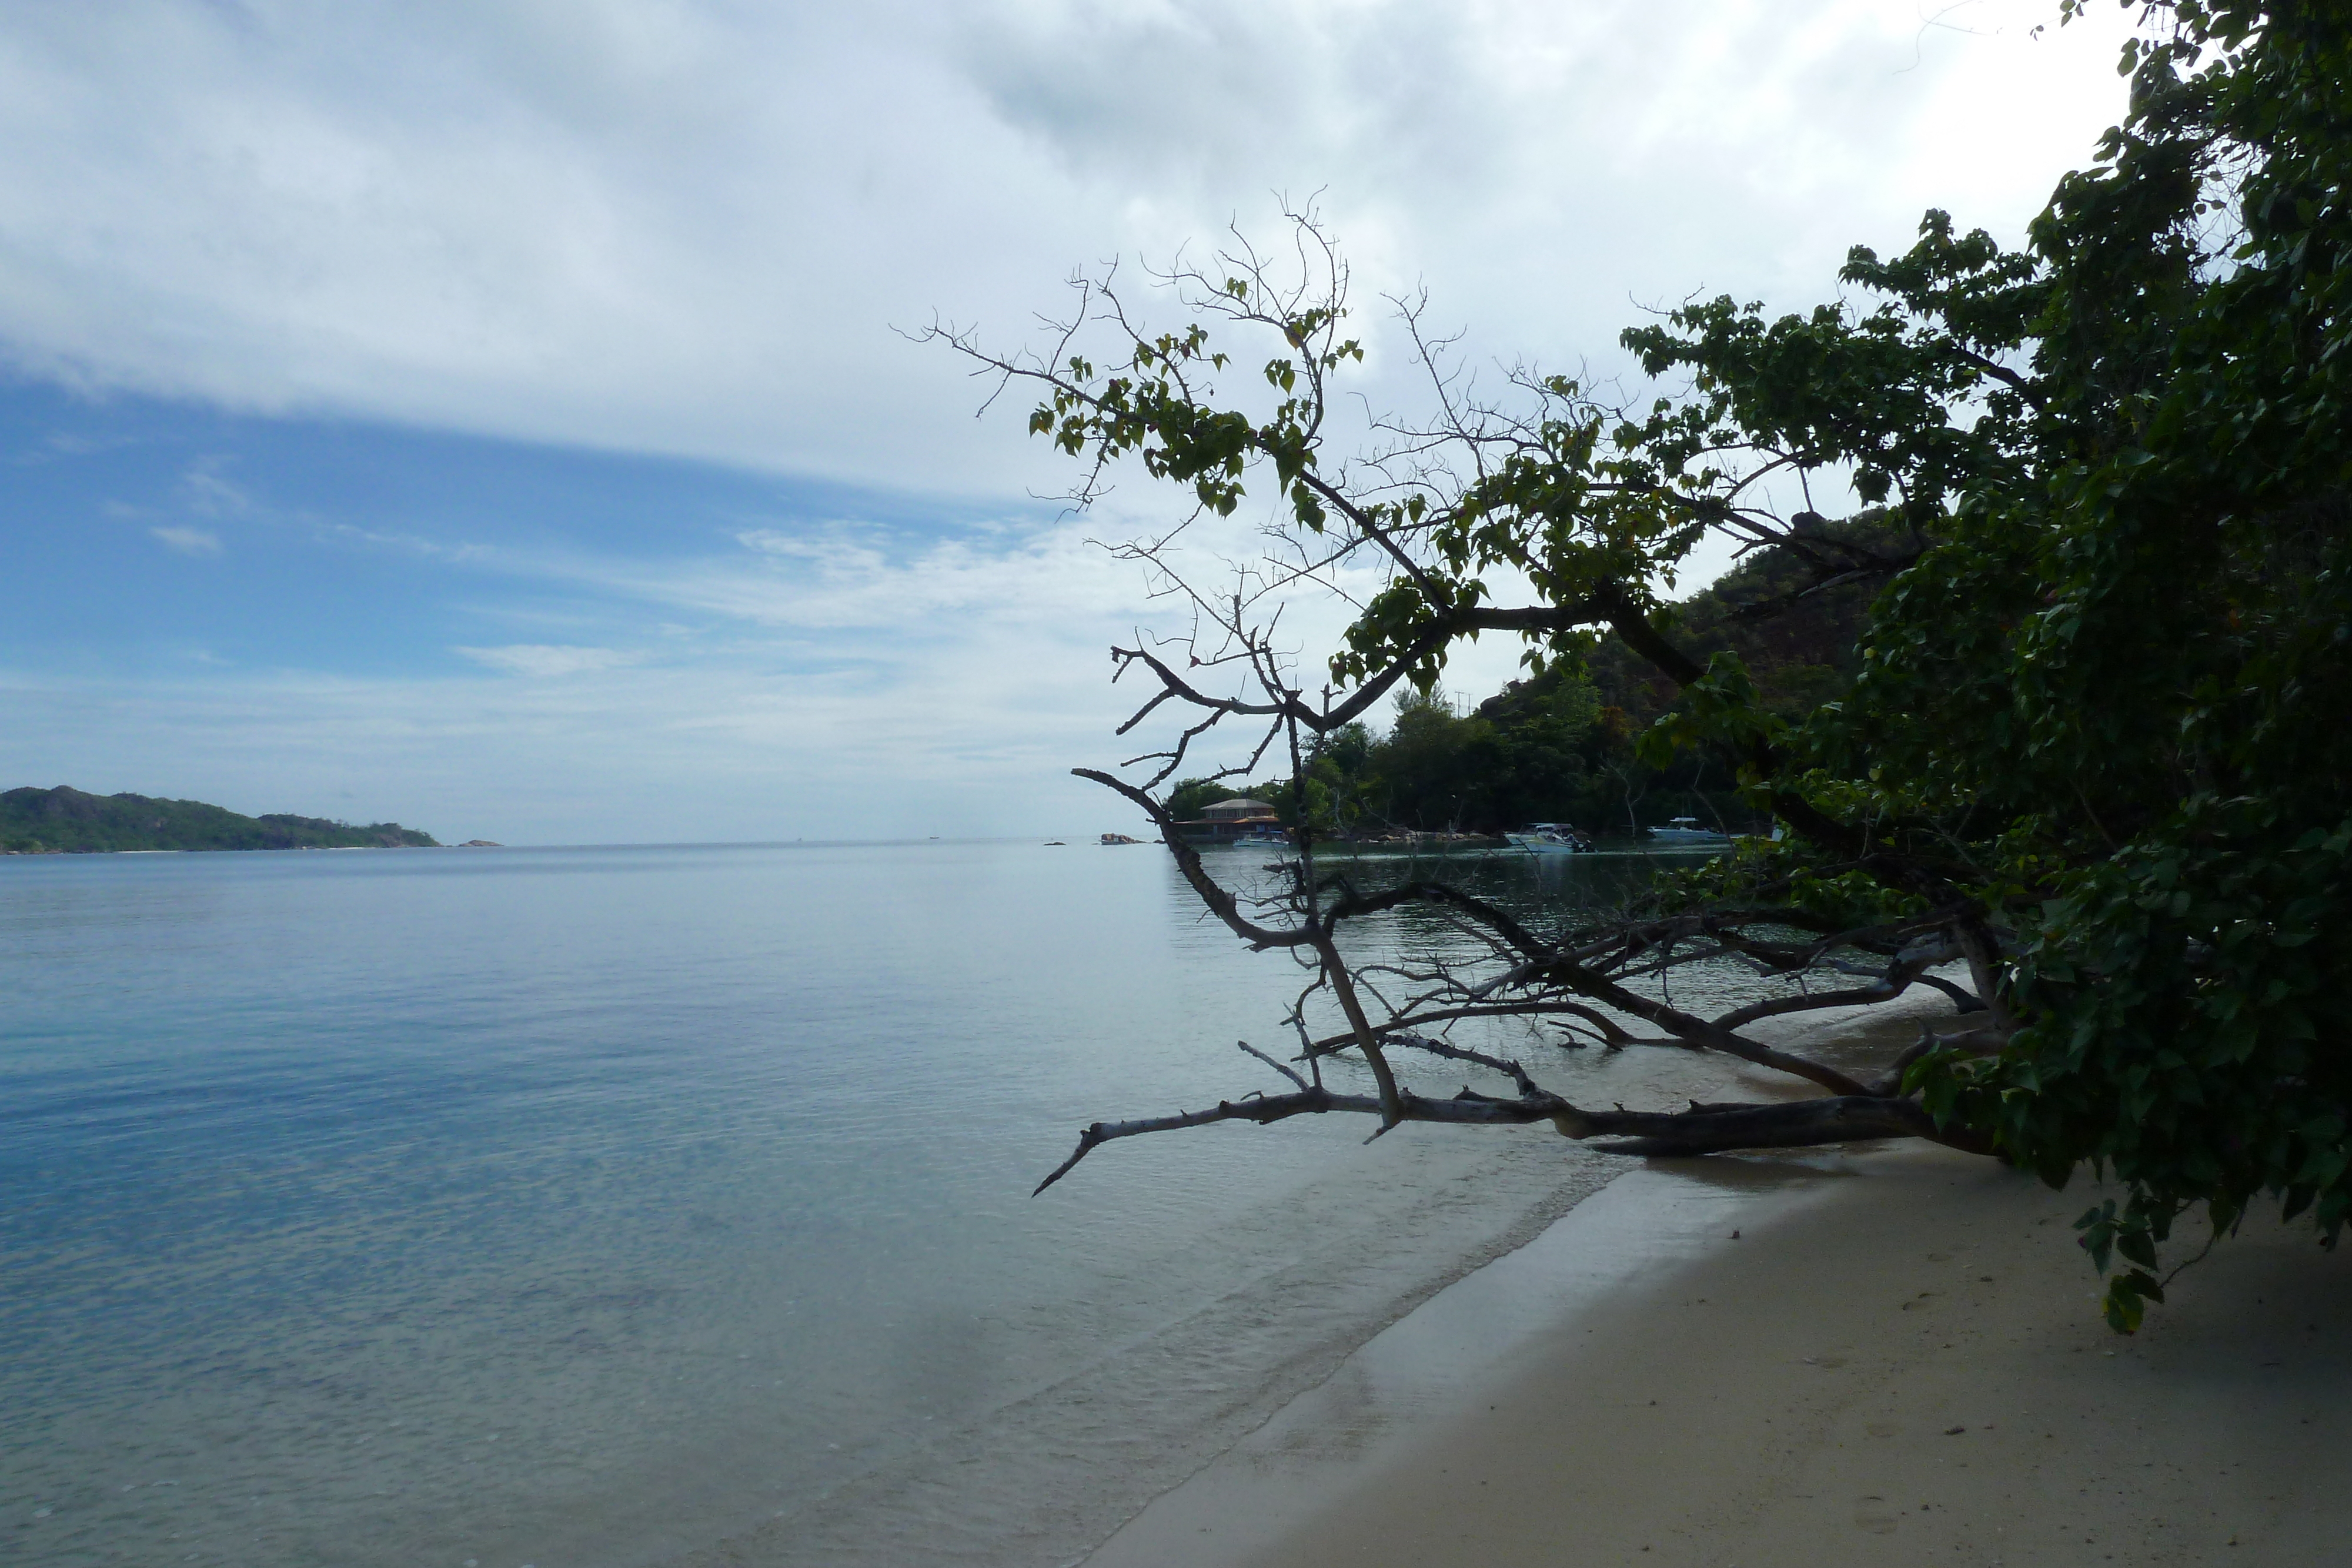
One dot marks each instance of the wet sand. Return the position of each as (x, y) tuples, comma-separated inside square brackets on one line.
[(1898, 1361)]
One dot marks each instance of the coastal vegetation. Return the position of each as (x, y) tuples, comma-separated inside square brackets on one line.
[(1559, 745), (66, 821), (2090, 753)]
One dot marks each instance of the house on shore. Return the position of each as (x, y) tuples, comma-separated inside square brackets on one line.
[(1228, 820)]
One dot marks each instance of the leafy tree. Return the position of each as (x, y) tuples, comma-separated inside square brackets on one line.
[(1192, 796), (1798, 636), (2091, 746), (1435, 764)]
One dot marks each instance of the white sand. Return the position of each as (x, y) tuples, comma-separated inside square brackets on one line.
[(1901, 1364)]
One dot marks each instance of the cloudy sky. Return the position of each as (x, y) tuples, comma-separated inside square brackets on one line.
[(496, 416)]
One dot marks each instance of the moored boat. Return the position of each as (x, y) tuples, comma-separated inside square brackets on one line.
[(1686, 830), (1549, 839)]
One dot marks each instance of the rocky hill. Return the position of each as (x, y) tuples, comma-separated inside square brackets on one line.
[(1800, 643), (39, 821)]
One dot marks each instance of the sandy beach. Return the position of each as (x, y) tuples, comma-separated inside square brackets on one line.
[(1898, 1361)]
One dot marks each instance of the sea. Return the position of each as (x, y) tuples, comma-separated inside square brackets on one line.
[(544, 1208)]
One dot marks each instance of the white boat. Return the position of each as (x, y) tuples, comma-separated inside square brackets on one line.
[(1549, 839), (1686, 830)]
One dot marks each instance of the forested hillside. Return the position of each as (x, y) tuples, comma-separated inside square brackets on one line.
[(1797, 639), (35, 821), (1560, 746)]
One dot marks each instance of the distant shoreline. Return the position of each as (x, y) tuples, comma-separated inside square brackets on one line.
[(269, 849), (66, 821)]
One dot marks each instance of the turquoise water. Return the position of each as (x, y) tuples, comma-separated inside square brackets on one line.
[(597, 1206)]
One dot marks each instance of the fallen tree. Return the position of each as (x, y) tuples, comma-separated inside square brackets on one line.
[(2094, 760)]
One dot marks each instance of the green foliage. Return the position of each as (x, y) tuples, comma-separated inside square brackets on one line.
[(1800, 642), (2148, 685), (1544, 749), (1192, 796), (2109, 701), (1148, 408), (2093, 720), (1530, 754), (65, 820), (1720, 708)]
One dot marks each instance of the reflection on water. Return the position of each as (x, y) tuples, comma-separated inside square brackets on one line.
[(590, 1205), (1548, 894)]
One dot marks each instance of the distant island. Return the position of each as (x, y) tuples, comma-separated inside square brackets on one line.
[(65, 821)]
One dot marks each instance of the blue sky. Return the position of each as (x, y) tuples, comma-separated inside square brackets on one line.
[(497, 416), (366, 620), (159, 537)]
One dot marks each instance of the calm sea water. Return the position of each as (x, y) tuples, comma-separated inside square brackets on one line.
[(599, 1205)]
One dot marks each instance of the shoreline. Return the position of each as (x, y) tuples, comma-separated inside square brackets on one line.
[(1053, 1476), (1076, 1468), (1453, 1357), (1898, 1361), (1046, 1477)]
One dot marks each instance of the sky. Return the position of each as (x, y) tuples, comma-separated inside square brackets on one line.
[(505, 417)]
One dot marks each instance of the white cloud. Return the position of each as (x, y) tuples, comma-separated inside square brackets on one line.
[(945, 687), (547, 661), (685, 225), (205, 491), (714, 751), (188, 542)]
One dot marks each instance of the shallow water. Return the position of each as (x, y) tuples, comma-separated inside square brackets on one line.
[(1440, 1366), (590, 1205)]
